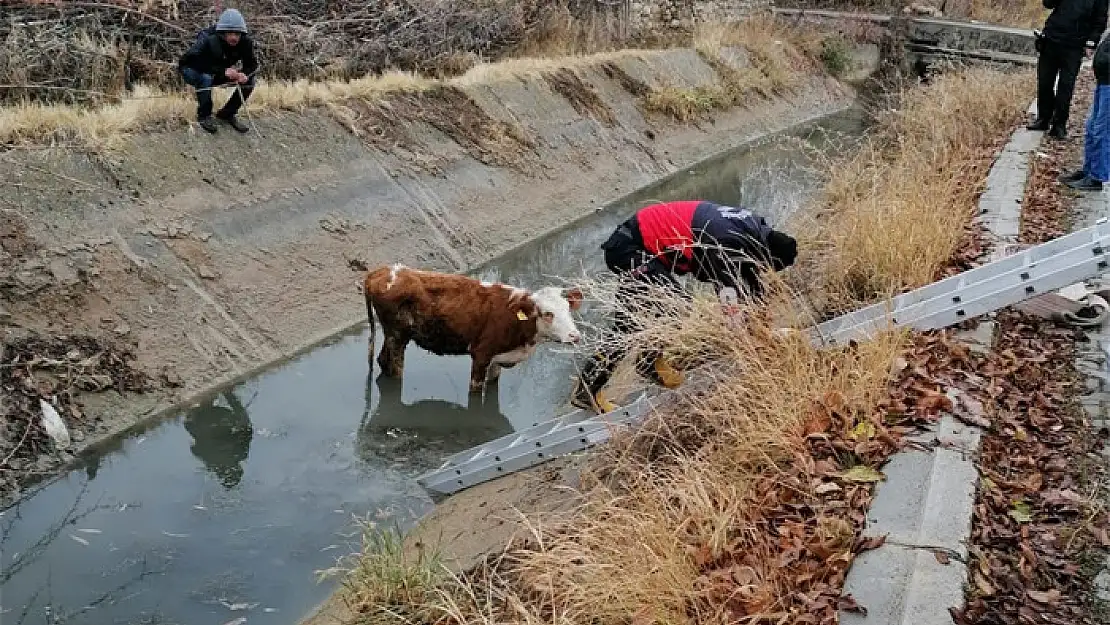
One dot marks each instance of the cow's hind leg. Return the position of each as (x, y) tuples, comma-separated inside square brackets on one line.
[(494, 372), (392, 357), (480, 367)]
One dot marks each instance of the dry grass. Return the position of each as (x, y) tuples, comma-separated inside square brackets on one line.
[(1018, 13), (775, 50), (707, 512), (103, 127), (895, 212), (777, 55), (390, 583)]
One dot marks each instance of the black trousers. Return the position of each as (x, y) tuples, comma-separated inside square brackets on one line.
[(623, 254), (203, 84), (1054, 101)]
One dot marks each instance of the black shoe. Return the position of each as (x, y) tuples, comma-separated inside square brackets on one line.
[(595, 402), (208, 124), (233, 122), (1086, 183), (1078, 174), (1058, 132), (1038, 124)]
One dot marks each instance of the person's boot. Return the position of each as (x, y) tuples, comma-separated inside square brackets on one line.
[(1078, 174), (1058, 133), (233, 121), (1086, 183), (208, 124), (1038, 124), (595, 402), (666, 375)]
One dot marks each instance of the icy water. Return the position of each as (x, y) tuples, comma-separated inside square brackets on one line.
[(227, 510)]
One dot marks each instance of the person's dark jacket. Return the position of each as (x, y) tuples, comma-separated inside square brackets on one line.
[(711, 242), (209, 54), (1101, 62), (1075, 23)]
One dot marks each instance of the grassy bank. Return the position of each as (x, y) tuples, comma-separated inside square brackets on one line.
[(744, 500), (778, 53), (87, 52)]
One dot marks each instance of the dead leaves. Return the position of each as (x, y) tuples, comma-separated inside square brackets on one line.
[(971, 409), (1023, 570), (1033, 459), (862, 473), (1046, 597)]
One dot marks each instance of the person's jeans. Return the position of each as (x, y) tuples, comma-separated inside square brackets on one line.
[(1096, 143), (203, 83), (1054, 100)]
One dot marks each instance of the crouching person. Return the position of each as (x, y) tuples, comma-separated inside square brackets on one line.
[(1096, 142), (210, 62), (710, 242)]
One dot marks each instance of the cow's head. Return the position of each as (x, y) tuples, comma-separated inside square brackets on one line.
[(554, 322)]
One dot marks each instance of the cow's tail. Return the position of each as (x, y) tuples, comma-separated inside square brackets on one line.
[(370, 320)]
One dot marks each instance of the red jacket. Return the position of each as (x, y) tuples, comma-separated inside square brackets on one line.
[(669, 226)]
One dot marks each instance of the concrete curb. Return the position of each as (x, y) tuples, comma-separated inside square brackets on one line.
[(925, 505)]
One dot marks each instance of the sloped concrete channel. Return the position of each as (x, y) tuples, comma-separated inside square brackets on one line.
[(226, 510)]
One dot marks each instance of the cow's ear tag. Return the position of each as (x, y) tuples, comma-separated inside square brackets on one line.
[(520, 315)]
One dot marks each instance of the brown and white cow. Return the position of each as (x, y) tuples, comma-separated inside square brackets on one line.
[(448, 314)]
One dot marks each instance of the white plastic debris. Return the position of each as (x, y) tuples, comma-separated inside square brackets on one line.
[(1077, 304), (54, 425)]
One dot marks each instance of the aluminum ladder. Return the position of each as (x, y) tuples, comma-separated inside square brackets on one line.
[(1029, 273)]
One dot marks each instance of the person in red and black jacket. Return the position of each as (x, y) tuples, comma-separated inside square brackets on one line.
[(713, 243)]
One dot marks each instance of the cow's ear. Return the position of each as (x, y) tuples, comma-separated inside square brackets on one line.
[(574, 296)]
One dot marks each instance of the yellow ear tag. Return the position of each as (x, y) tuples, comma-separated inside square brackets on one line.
[(520, 315)]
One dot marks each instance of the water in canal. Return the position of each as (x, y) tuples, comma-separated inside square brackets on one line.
[(226, 510)]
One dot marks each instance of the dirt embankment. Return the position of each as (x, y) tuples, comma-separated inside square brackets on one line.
[(211, 256)]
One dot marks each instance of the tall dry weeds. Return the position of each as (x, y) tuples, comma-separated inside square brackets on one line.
[(776, 55), (894, 213)]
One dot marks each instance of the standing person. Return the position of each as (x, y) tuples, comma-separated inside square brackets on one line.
[(210, 62), (1096, 142), (1072, 27), (660, 242)]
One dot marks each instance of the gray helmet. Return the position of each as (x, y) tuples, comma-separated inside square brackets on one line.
[(231, 20)]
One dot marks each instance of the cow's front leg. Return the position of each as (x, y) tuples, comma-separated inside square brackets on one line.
[(479, 367), (392, 357)]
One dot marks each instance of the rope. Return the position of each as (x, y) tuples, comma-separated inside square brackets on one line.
[(111, 95)]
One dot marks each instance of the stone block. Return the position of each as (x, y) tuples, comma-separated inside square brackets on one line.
[(903, 586), (981, 338)]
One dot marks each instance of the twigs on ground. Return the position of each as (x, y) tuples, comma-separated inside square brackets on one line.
[(56, 370)]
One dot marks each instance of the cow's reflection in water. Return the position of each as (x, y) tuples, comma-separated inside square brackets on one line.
[(221, 438), (420, 434)]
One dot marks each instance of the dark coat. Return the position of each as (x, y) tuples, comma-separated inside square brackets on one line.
[(209, 54), (1075, 23), (1101, 62), (731, 239)]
